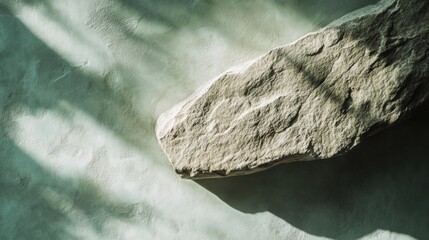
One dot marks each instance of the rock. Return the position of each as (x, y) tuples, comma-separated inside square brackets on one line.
[(315, 98)]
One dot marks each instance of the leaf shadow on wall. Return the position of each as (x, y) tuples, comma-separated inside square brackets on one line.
[(323, 12), (36, 202), (97, 95), (36, 78), (116, 112), (381, 184)]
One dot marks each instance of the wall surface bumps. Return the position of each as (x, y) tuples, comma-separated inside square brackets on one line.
[(82, 83)]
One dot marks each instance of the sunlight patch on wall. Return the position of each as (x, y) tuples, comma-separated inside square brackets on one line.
[(69, 141), (78, 46), (142, 197)]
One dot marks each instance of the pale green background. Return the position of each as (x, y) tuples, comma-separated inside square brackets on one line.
[(82, 83)]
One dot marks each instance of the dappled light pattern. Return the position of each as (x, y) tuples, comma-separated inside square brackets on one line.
[(64, 161), (81, 85)]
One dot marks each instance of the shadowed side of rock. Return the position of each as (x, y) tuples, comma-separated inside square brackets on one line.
[(312, 99)]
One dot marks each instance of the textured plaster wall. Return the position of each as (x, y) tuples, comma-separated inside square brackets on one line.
[(82, 83)]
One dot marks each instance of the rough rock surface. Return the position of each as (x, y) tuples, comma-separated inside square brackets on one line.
[(312, 99)]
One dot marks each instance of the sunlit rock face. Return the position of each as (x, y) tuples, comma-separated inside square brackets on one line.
[(313, 99)]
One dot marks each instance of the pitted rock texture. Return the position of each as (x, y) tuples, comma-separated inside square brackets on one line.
[(312, 99)]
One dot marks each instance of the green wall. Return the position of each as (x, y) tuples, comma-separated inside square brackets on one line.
[(82, 83)]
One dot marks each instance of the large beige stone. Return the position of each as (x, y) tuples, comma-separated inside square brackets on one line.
[(315, 98)]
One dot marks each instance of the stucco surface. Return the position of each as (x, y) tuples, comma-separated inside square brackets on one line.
[(81, 84)]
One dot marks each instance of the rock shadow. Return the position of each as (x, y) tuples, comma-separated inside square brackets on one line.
[(381, 184)]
